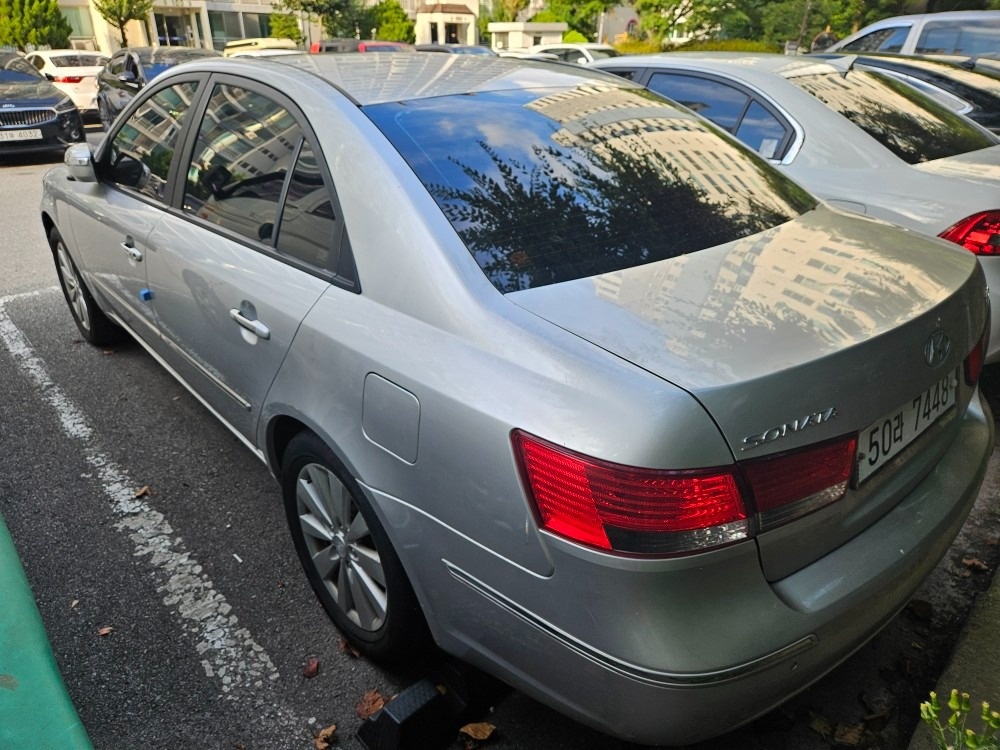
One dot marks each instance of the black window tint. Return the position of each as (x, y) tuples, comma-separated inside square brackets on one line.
[(551, 185), (308, 218), (950, 38), (762, 131), (910, 124), (719, 102), (245, 147), (883, 40), (141, 151)]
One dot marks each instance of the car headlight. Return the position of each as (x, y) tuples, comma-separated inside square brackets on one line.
[(66, 105)]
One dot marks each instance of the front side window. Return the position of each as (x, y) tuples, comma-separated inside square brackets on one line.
[(883, 40), (141, 151), (246, 145), (911, 125), (550, 185)]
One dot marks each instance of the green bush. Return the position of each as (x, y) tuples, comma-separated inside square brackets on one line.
[(728, 45), (639, 47), (574, 37)]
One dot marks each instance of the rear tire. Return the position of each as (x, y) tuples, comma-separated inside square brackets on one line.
[(94, 325), (348, 557)]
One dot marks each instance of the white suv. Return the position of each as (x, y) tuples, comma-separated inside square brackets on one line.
[(960, 32)]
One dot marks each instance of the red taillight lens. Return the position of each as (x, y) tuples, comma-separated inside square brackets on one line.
[(974, 362), (979, 233), (631, 509), (68, 79), (790, 485)]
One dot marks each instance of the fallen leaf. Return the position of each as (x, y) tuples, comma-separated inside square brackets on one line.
[(144, 491), (917, 645), (348, 649), (107, 352), (107, 630), (312, 669), (974, 563), (820, 725), (479, 730), (72, 604), (370, 702), (322, 741), (849, 734)]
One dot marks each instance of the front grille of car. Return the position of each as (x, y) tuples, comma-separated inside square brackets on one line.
[(21, 117)]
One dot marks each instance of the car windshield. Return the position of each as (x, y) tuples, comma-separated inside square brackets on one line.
[(910, 124), (17, 70), (600, 54), (550, 185)]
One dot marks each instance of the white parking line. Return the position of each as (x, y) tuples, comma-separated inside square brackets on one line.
[(229, 651)]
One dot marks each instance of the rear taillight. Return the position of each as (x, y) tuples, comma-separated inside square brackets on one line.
[(67, 79), (979, 233), (974, 362), (653, 511), (790, 485)]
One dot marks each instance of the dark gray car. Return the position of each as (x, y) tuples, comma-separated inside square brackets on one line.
[(548, 370)]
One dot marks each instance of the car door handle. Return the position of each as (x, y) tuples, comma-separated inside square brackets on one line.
[(255, 327), (131, 250)]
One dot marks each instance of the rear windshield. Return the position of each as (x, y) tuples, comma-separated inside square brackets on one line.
[(77, 61), (551, 185), (910, 124)]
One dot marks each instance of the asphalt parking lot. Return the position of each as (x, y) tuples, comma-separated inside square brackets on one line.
[(157, 549)]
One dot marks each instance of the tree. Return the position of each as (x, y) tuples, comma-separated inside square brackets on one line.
[(392, 22), (581, 16), (285, 26), (119, 12), (33, 22)]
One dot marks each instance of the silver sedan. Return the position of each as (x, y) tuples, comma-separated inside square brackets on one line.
[(859, 138), (550, 373)]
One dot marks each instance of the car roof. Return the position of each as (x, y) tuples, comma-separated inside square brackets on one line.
[(751, 64), (375, 77), (574, 45), (947, 15)]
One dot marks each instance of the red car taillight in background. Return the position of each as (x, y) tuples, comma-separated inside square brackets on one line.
[(653, 511), (67, 79), (979, 233)]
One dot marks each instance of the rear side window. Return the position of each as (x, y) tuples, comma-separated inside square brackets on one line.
[(550, 185), (142, 149), (950, 38), (911, 125), (883, 40)]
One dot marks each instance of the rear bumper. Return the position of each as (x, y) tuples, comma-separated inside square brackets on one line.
[(650, 650)]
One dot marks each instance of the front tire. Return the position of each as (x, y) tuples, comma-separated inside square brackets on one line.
[(347, 556), (94, 325)]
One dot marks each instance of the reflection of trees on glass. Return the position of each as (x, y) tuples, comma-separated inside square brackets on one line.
[(574, 214), (911, 125)]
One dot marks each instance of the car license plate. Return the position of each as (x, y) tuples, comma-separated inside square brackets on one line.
[(20, 135), (885, 438)]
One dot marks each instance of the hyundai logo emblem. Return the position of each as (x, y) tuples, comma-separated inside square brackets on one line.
[(937, 348)]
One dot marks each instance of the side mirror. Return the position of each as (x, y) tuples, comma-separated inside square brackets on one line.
[(79, 162), (127, 77), (49, 77)]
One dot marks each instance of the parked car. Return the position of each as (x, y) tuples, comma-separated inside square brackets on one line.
[(239, 47), (131, 68), (73, 72), (576, 53), (456, 49), (960, 32), (858, 138), (973, 93), (586, 392), (34, 114), (358, 45)]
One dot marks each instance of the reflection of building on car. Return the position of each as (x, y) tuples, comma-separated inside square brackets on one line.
[(34, 114)]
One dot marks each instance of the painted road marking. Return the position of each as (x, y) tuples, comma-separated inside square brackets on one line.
[(229, 652)]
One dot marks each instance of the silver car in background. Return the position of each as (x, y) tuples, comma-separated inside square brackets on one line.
[(856, 137), (548, 370)]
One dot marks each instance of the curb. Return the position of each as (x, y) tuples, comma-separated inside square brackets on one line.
[(36, 712)]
